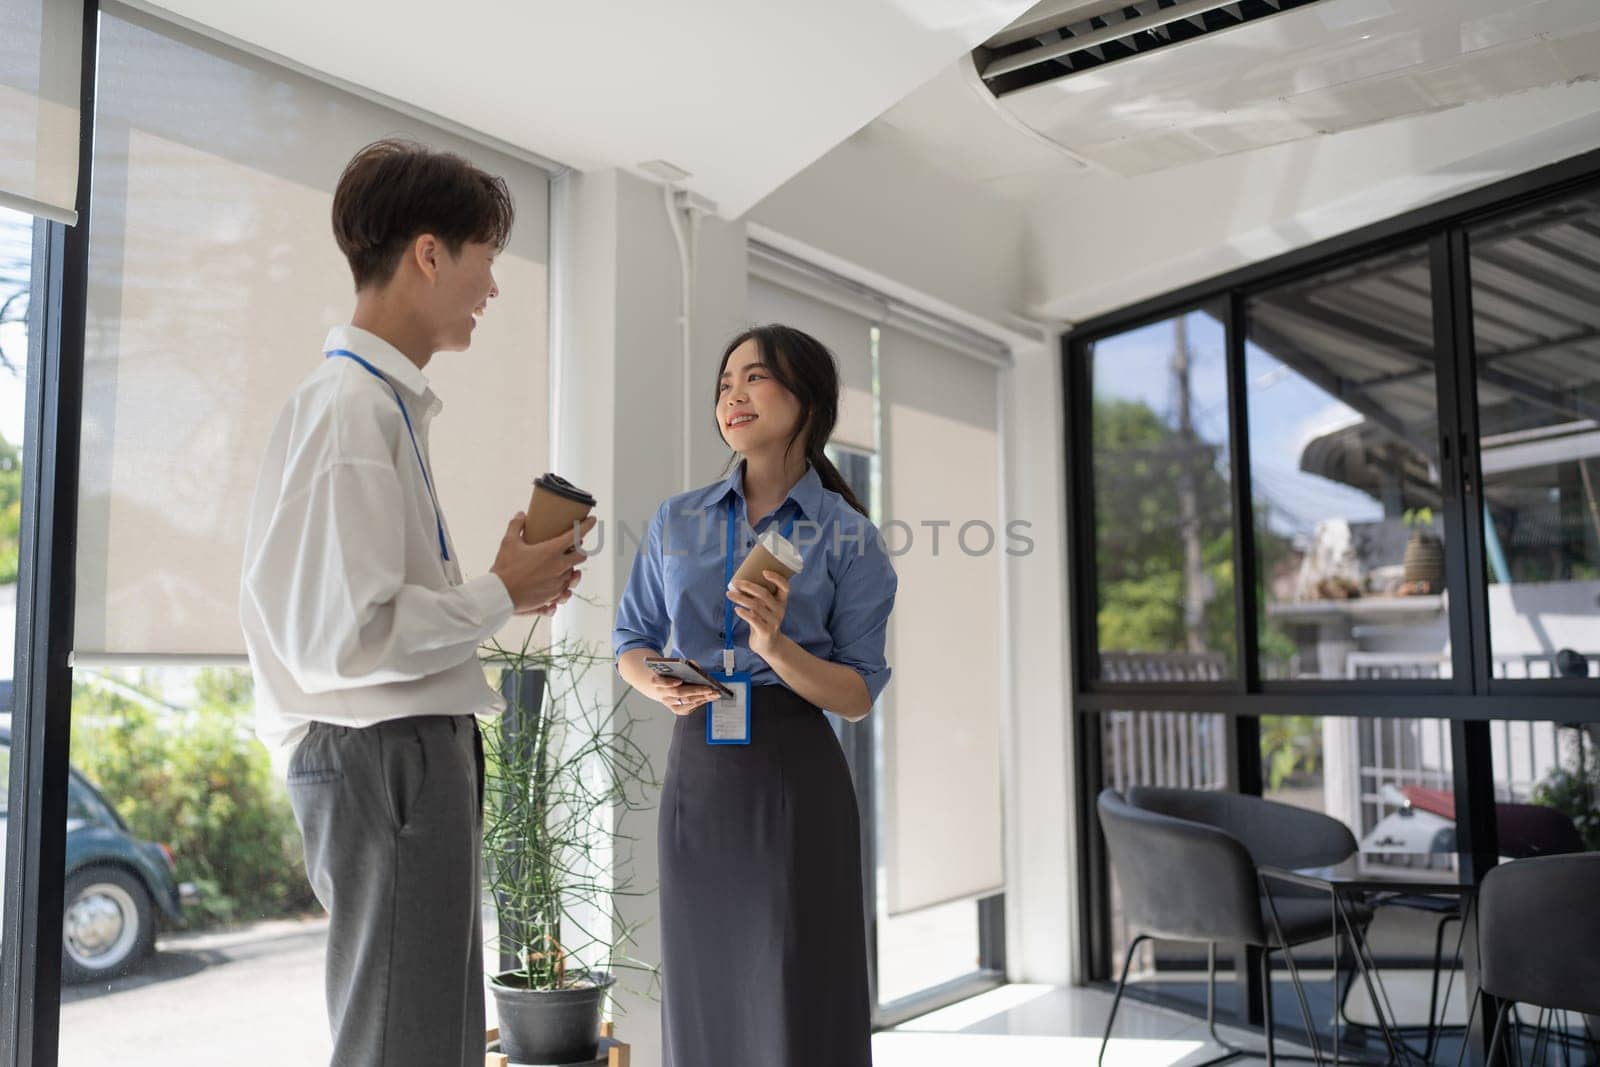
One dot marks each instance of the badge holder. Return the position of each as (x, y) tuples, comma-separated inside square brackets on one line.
[(728, 718)]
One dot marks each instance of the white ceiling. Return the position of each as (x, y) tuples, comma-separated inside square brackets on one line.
[(741, 95), (1322, 68)]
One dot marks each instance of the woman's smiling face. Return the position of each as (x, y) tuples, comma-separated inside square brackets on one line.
[(754, 409)]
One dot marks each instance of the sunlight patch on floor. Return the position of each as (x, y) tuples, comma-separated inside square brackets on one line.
[(976, 1009), (898, 1048)]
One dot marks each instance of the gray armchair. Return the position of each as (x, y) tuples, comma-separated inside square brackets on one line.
[(1186, 867), (1539, 939)]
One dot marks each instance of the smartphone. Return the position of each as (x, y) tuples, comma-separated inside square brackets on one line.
[(686, 669)]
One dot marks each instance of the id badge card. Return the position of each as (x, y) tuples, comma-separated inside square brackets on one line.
[(728, 718)]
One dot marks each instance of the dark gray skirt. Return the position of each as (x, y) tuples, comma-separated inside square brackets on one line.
[(763, 946)]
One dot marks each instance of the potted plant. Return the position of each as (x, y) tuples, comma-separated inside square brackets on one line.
[(558, 766), (1424, 558)]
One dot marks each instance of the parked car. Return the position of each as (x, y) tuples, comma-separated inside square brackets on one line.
[(118, 887)]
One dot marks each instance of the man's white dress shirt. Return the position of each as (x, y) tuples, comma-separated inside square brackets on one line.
[(351, 615)]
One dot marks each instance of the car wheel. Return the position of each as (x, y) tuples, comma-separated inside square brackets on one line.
[(108, 926)]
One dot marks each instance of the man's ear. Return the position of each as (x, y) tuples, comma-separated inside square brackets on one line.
[(425, 253)]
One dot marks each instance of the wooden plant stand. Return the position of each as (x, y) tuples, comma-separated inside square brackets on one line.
[(613, 1053)]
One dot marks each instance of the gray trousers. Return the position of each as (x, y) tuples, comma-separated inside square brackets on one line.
[(392, 819)]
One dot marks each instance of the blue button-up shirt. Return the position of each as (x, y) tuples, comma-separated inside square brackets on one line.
[(839, 603)]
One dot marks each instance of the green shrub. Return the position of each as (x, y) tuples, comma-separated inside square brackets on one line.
[(1574, 788), (197, 779), (1291, 748)]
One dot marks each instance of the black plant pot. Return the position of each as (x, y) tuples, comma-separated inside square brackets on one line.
[(550, 1025)]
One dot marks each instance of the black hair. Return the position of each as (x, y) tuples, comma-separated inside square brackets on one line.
[(804, 366), (395, 190)]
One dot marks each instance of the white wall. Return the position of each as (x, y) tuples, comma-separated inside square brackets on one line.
[(1102, 241)]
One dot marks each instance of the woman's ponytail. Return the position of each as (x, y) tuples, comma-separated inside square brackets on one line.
[(832, 479)]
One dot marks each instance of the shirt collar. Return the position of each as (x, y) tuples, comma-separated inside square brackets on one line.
[(806, 493), (381, 354)]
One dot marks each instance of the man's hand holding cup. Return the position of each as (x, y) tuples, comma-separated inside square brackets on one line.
[(540, 577)]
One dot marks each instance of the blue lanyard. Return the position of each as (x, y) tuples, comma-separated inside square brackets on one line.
[(438, 519), (727, 576)]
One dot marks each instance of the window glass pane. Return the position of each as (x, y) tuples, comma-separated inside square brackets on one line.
[(198, 890), (16, 270), (1172, 751), (1163, 509), (1389, 780), (920, 949), (1546, 787), (1536, 332), (1343, 412)]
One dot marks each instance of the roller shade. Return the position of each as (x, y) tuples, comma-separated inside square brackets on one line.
[(846, 333), (41, 55), (213, 280), (941, 715)]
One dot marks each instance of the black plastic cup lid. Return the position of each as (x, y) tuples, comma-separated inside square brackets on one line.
[(554, 483)]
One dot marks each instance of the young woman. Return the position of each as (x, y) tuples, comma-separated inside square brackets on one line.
[(763, 945)]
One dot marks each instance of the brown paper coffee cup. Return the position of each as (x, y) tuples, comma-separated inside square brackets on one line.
[(762, 558), (557, 505)]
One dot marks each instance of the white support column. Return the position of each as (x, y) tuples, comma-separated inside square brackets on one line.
[(616, 385), (1041, 925)]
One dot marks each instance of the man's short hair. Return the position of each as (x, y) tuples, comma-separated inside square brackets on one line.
[(394, 191)]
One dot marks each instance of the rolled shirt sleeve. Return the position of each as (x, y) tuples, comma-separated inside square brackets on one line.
[(863, 599), (328, 582), (642, 617)]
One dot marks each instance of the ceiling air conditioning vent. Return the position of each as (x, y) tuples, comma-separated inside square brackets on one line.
[(1059, 38)]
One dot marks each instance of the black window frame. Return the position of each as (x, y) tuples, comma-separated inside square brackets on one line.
[(1471, 697), (1443, 227), (41, 721)]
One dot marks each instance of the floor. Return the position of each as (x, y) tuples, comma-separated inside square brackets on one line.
[(1055, 1025), (1029, 1024), (257, 993)]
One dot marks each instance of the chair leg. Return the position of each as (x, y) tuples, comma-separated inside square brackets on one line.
[(1367, 968), (1266, 1005), (1543, 1032), (1466, 1040), (1116, 1001), (1435, 1028), (1230, 1051), (1494, 1039), (1211, 987), (1305, 1006), (1449, 984)]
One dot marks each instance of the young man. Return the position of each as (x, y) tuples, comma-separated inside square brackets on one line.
[(362, 633)]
